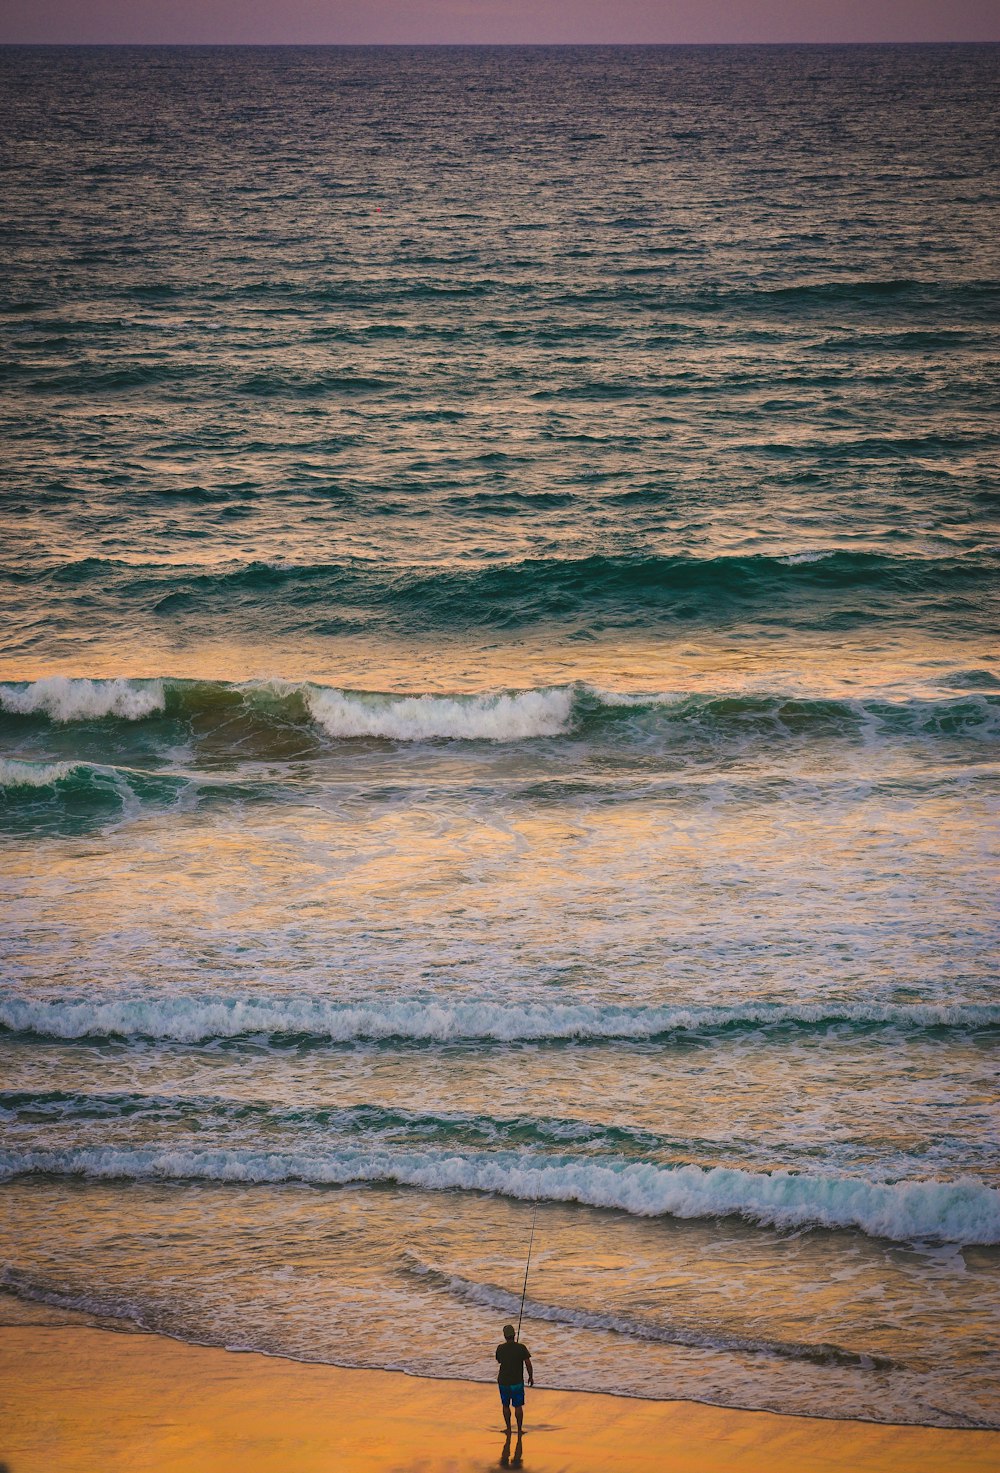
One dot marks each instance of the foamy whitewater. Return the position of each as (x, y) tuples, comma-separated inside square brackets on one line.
[(499, 709)]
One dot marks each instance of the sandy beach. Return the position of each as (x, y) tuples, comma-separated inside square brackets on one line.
[(77, 1400)]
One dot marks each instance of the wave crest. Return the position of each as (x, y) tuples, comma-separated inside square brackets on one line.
[(965, 1211), (265, 712), (61, 698), (15, 775), (494, 718), (203, 1019)]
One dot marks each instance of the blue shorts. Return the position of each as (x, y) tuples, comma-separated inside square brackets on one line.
[(512, 1396)]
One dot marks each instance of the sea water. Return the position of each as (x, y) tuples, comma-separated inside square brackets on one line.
[(499, 705)]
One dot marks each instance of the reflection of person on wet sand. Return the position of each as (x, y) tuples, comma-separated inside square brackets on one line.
[(506, 1461), (514, 1360)]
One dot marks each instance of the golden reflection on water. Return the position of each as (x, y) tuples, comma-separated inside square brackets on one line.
[(547, 880), (708, 661)]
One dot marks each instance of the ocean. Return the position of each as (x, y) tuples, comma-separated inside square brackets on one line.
[(500, 711)]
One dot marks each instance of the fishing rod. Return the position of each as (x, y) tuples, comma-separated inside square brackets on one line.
[(524, 1291)]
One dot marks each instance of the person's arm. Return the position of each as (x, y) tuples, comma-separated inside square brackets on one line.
[(530, 1370)]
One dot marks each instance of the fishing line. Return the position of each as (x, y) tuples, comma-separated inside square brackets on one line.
[(524, 1291)]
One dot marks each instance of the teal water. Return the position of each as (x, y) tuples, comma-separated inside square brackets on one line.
[(499, 704)]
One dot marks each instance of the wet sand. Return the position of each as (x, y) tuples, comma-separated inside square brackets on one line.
[(80, 1400)]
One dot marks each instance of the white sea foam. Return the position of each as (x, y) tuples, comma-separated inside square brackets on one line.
[(619, 698), (14, 774), (194, 1019), (962, 1211), (63, 699), (492, 718)]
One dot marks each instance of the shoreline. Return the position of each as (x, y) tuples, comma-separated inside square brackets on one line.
[(133, 1327), (75, 1397)]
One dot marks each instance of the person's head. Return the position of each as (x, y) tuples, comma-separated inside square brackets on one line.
[(508, 1332)]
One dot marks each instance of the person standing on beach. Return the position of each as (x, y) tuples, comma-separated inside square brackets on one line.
[(514, 1359)]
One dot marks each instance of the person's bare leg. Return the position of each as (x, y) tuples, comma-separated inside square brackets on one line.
[(519, 1414), (506, 1419)]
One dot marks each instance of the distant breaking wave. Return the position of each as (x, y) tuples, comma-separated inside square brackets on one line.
[(965, 1211), (33, 1114), (272, 708), (501, 718), (313, 1021), (207, 1121), (63, 699)]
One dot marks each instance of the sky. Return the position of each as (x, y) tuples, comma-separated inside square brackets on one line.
[(495, 21)]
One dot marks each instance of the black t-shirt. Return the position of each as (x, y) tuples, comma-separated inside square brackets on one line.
[(512, 1356)]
